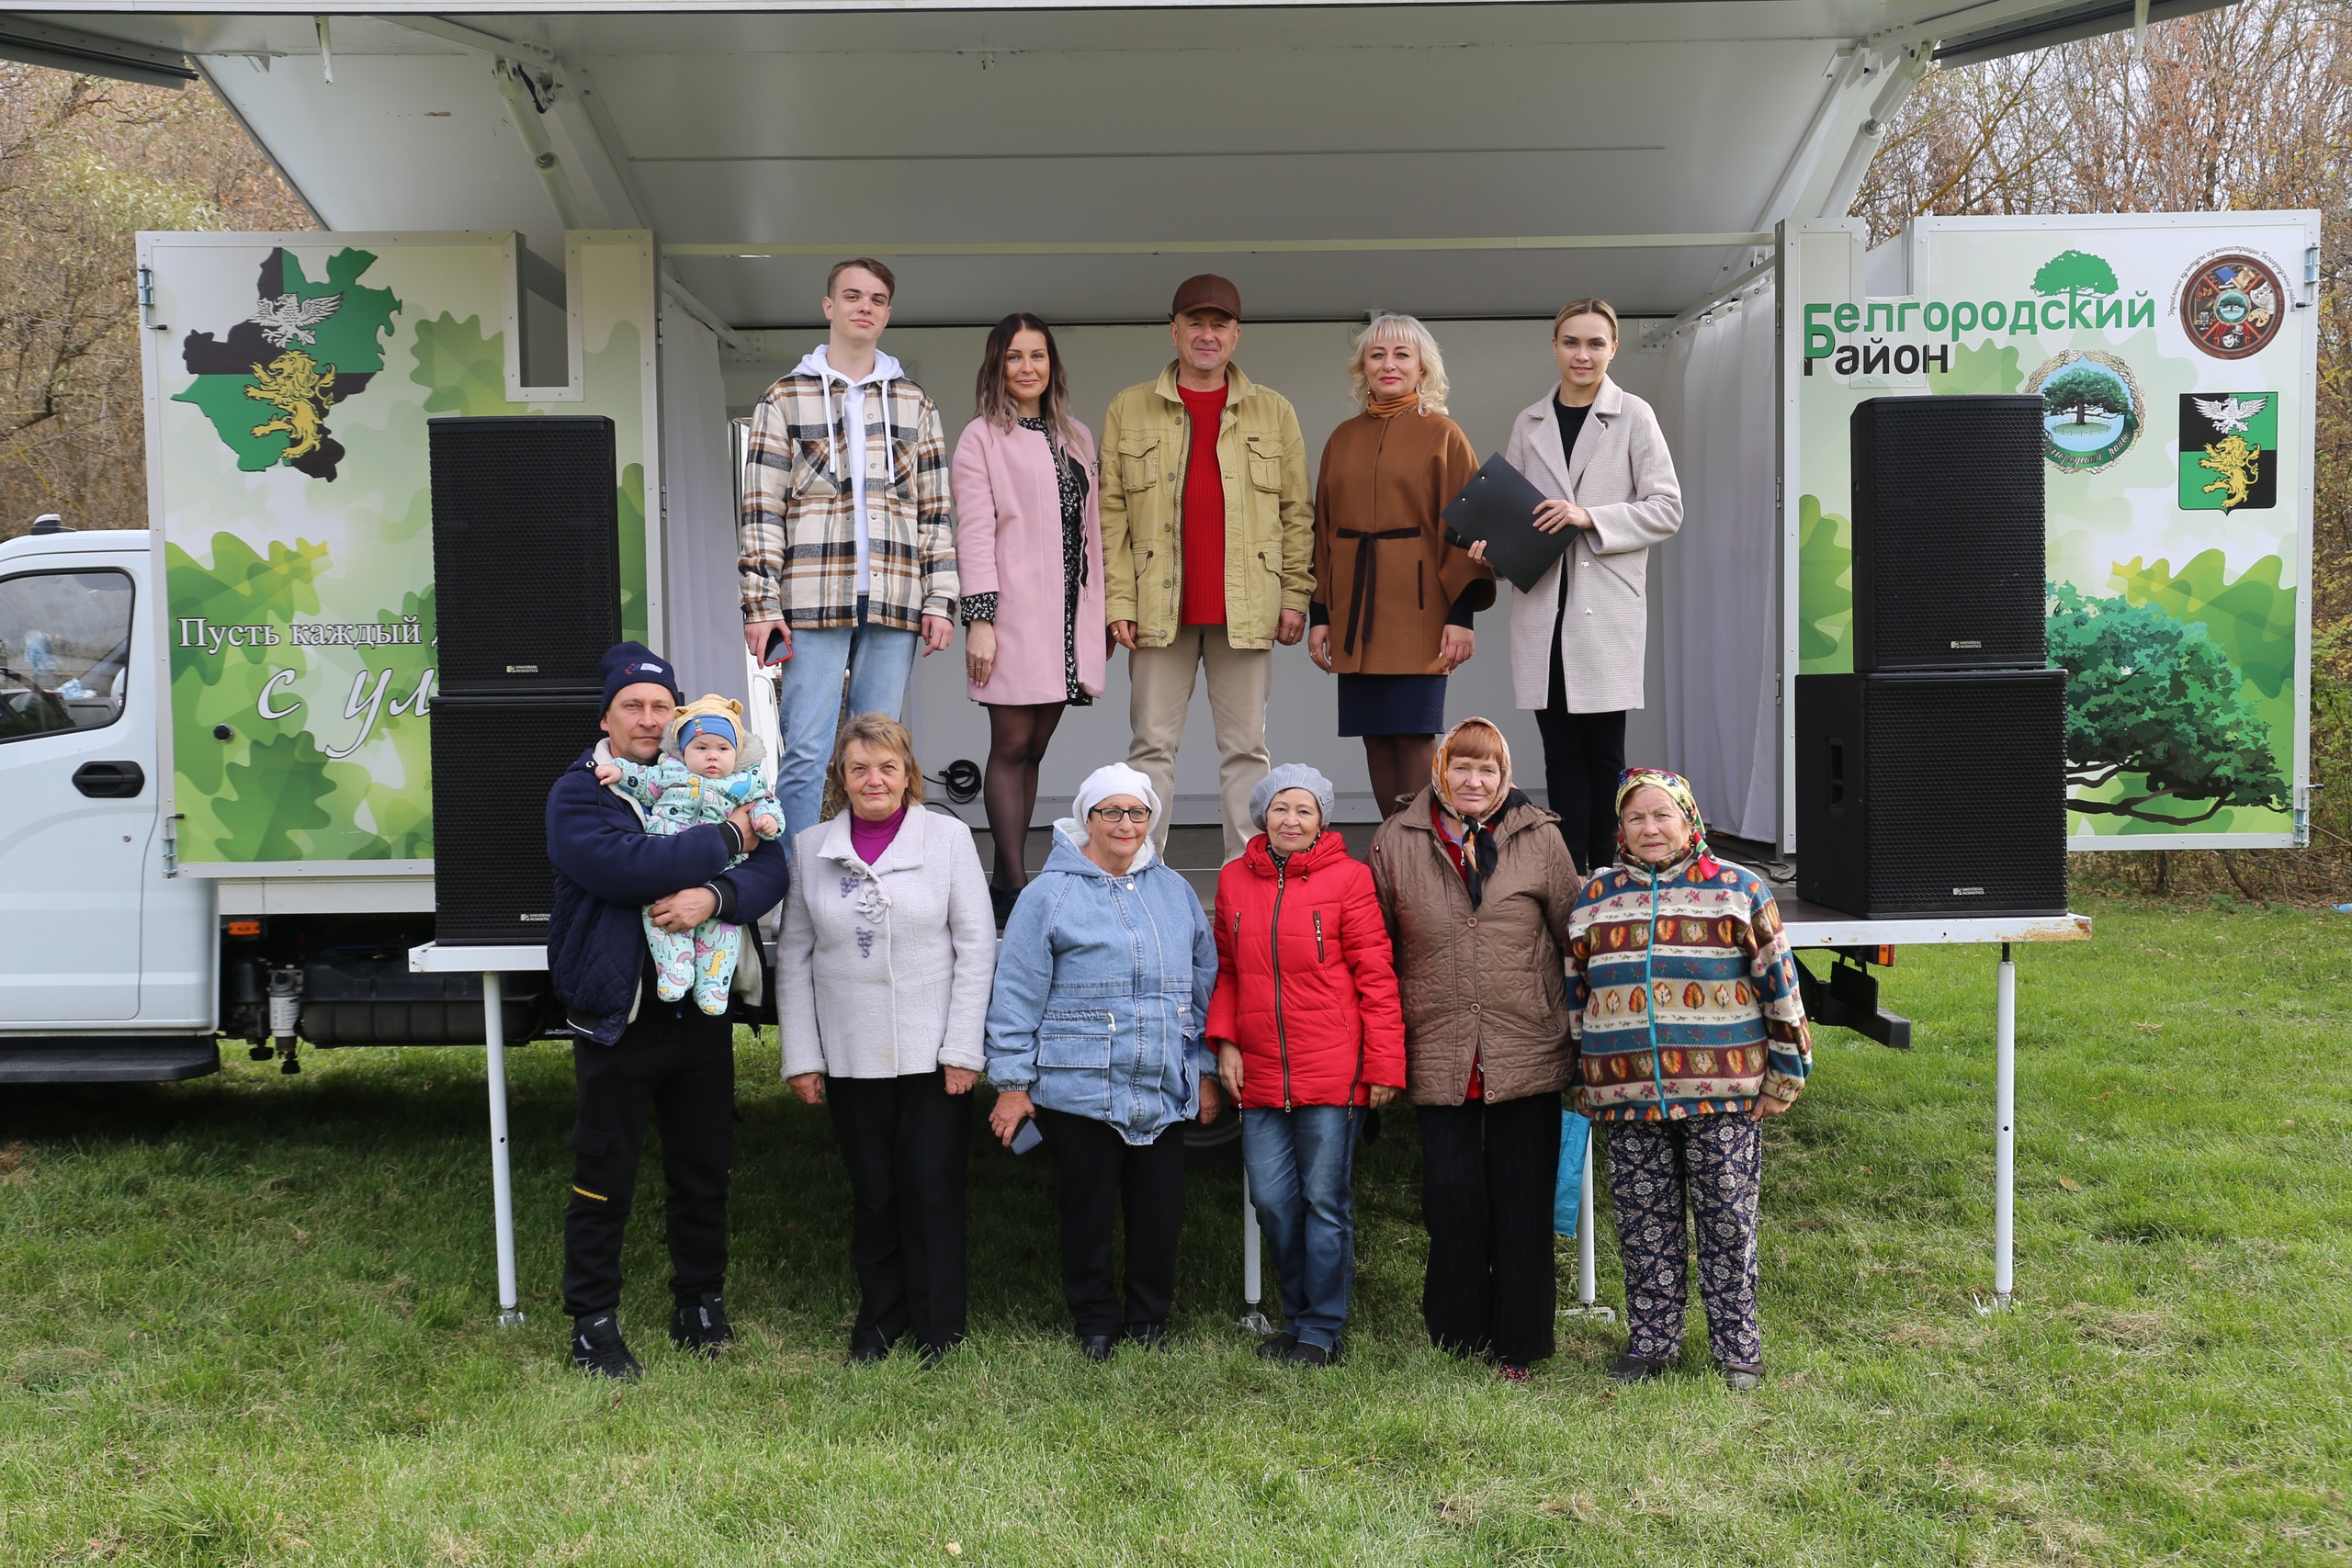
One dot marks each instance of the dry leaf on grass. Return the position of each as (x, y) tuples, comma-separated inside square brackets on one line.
[(2070, 1184)]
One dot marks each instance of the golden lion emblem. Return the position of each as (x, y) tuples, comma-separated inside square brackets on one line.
[(301, 393), (2239, 466)]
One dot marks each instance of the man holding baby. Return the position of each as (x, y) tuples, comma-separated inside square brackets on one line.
[(636, 1053)]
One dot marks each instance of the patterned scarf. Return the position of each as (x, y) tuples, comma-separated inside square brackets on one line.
[(1677, 789), (1479, 851)]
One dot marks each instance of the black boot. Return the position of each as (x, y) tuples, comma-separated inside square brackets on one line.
[(1150, 1336), (1630, 1368), (598, 1349), (1095, 1346), (698, 1325), (1276, 1347)]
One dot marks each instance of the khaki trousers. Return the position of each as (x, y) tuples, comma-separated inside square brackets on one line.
[(1160, 682)]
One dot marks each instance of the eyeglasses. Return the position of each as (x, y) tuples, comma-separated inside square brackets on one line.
[(1112, 813)]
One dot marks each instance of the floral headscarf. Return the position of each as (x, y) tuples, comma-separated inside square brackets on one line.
[(1479, 850), (1677, 789)]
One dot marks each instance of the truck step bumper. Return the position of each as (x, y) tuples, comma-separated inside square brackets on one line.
[(99, 1058)]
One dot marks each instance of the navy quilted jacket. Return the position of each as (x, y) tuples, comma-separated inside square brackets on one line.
[(607, 868)]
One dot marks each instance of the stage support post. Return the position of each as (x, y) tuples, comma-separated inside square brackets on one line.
[(1587, 1275), (2005, 1132), (502, 1175), (1253, 1279)]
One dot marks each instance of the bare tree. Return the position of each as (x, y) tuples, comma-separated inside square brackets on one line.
[(84, 165)]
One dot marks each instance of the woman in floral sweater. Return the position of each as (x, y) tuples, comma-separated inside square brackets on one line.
[(1689, 1031)]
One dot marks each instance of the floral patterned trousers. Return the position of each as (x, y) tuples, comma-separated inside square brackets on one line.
[(1717, 1160)]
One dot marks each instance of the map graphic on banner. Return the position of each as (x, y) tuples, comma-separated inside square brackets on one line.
[(2174, 370), (292, 519)]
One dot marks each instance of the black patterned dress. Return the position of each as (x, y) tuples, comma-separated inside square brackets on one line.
[(983, 606)]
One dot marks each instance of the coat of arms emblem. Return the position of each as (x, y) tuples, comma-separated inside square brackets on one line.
[(2231, 306)]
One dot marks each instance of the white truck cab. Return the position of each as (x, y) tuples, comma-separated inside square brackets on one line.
[(109, 962)]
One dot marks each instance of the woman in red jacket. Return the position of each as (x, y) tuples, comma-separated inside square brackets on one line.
[(1308, 1030)]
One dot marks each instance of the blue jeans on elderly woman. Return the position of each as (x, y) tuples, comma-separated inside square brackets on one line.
[(1301, 1179)]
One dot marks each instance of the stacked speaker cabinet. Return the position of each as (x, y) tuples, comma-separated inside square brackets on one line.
[(1931, 782), (526, 589)]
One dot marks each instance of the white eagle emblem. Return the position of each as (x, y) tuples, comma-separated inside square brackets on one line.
[(286, 320), (2231, 416)]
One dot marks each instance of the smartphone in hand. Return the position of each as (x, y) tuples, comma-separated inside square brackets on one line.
[(778, 649), (1026, 1137)]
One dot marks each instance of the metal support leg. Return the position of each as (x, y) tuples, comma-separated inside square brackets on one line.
[(1587, 1275), (2004, 1134), (501, 1176), (1253, 1281)]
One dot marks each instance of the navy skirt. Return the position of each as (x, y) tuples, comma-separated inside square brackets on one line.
[(1392, 704)]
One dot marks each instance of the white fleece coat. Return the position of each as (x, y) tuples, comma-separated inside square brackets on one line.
[(885, 970)]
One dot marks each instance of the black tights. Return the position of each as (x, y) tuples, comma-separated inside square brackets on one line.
[(1018, 735), (1399, 765)]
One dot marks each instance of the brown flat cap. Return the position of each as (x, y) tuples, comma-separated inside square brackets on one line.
[(1206, 291)]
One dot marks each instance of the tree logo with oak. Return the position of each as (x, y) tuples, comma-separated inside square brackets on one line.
[(2092, 410)]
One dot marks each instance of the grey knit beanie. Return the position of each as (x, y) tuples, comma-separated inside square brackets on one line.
[(1290, 775)]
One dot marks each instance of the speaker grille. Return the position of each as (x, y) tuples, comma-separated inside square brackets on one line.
[(1948, 531), (1932, 794), (1967, 793), (493, 761), (526, 552)]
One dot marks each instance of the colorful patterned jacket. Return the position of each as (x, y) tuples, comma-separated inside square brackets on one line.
[(799, 529), (1682, 994)]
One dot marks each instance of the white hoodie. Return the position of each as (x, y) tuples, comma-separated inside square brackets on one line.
[(885, 371)]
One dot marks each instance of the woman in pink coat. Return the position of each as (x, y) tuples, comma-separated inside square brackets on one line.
[(1029, 554)]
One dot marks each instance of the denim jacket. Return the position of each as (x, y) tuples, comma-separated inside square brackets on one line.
[(1102, 992)]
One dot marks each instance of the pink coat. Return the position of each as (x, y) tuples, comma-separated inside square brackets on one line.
[(1009, 543)]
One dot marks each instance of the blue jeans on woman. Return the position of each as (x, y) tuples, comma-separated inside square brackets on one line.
[(876, 661), (1302, 1171)]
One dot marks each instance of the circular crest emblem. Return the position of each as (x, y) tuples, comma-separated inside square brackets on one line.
[(2230, 306), (2092, 410)]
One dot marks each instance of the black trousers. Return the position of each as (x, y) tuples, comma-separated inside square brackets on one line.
[(1583, 754), (907, 1142), (679, 1065), (1488, 1175), (1101, 1172)]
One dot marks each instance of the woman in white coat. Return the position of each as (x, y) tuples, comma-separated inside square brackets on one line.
[(882, 992), (1578, 638)]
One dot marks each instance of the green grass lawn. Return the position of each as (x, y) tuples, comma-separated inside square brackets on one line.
[(249, 1319)]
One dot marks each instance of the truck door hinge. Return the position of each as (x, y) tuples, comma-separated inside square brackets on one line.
[(172, 842)]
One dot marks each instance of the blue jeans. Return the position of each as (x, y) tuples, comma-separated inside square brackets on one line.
[(1302, 1169), (876, 661)]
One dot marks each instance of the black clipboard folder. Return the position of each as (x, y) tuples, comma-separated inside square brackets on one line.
[(1498, 506)]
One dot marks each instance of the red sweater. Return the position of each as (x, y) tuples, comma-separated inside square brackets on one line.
[(1204, 524), (1305, 983)]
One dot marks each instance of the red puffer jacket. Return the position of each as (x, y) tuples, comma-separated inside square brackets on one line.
[(1306, 985)]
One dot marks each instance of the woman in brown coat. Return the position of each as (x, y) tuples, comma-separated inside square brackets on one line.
[(1476, 885), (1394, 595)]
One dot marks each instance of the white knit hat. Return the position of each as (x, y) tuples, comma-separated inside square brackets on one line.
[(1117, 779)]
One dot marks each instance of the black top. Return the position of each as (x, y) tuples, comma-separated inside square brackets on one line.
[(1571, 426)]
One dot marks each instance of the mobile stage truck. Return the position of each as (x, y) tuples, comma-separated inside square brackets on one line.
[(216, 762)]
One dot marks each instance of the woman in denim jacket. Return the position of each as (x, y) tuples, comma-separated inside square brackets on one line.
[(1095, 1030)]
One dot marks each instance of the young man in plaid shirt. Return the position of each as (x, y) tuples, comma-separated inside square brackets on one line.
[(848, 537)]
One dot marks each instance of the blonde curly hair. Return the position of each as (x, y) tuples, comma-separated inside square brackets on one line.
[(1399, 328)]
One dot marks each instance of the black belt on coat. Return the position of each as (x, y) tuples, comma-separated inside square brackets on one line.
[(1367, 578)]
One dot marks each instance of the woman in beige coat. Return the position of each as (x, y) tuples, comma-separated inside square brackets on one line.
[(1578, 638), (1476, 889)]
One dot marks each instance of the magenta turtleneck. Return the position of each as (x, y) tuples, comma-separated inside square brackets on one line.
[(869, 840)]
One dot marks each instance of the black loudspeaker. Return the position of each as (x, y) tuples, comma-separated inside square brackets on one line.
[(1948, 534), (494, 759), (526, 552), (1933, 793)]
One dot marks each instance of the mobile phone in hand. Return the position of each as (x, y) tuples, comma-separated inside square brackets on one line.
[(1026, 1137), (778, 649)]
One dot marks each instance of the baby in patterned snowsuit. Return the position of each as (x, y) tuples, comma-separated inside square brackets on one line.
[(708, 768)]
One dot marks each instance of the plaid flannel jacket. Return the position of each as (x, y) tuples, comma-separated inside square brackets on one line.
[(798, 528)]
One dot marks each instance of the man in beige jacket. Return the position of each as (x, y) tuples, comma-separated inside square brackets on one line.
[(1208, 539)]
